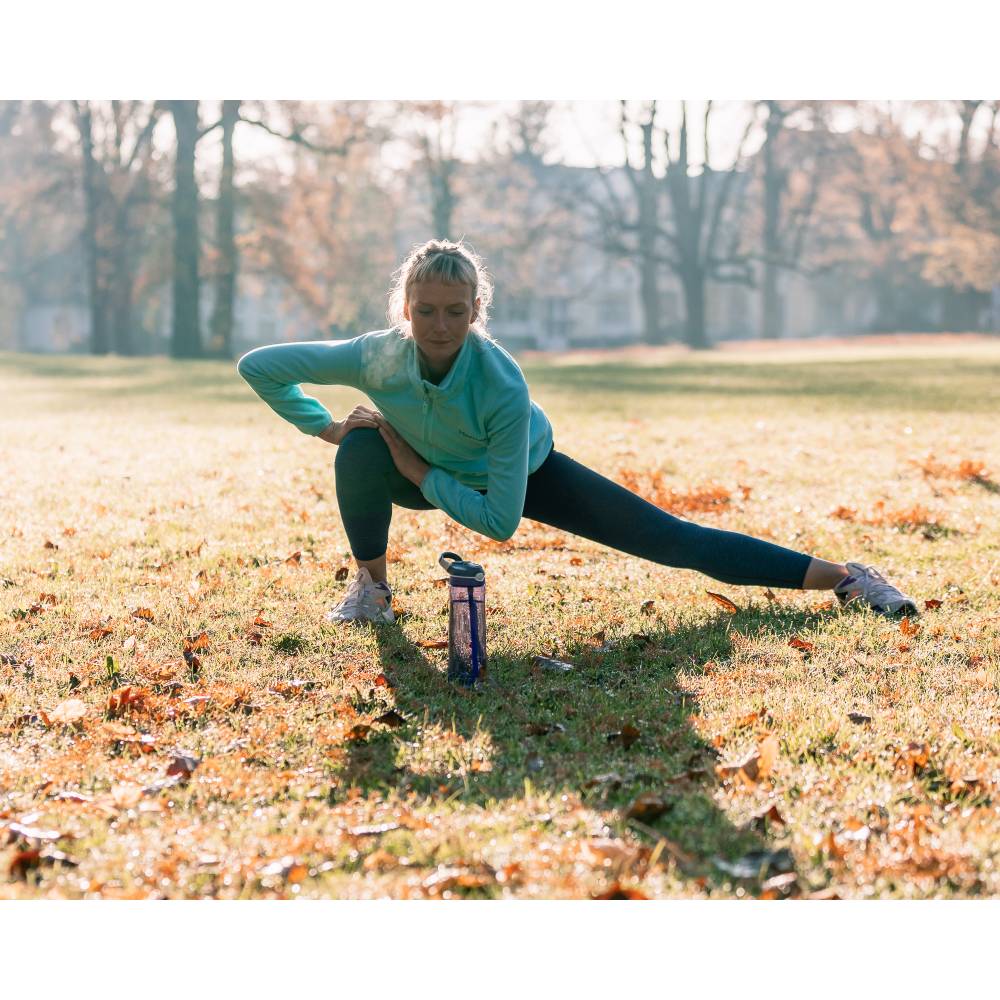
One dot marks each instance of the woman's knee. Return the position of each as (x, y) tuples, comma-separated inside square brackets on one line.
[(363, 447)]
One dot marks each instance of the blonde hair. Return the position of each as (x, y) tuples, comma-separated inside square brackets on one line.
[(441, 260)]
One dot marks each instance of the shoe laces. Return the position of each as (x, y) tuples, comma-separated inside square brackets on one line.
[(876, 587), (354, 596)]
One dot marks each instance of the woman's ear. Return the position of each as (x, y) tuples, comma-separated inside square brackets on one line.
[(406, 310), (475, 310)]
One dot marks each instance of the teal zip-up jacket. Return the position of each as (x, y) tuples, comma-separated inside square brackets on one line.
[(478, 429)]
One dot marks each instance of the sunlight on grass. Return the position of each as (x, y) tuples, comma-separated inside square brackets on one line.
[(178, 720)]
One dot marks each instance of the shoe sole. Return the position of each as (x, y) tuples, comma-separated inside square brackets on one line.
[(385, 619)]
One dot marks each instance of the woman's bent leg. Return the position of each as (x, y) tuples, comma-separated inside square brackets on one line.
[(569, 496), (368, 484)]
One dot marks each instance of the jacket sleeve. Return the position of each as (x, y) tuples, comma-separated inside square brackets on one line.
[(275, 374), (498, 513)]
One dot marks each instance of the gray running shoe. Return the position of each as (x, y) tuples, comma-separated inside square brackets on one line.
[(364, 601), (868, 586)]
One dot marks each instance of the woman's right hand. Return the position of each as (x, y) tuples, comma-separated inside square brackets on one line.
[(337, 430)]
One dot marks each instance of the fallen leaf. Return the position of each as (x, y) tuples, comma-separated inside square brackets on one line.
[(544, 728), (552, 665), (625, 737), (295, 559), (908, 627), (358, 734), (778, 886), (432, 643), (723, 602), (769, 594), (757, 764), (858, 718), (144, 613), (126, 699), (33, 832), (606, 850), (341, 574), (391, 718), (381, 681), (647, 607), (768, 815), (932, 603), (618, 892), (96, 634), (68, 712), (796, 643), (196, 644), (647, 807), (182, 765), (259, 622)]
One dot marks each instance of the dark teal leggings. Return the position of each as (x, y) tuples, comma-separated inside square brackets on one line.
[(568, 496)]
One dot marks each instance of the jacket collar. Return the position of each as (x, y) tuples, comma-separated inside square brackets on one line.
[(457, 374)]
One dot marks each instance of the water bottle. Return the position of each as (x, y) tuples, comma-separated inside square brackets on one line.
[(466, 619)]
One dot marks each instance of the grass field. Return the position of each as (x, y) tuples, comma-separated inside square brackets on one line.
[(178, 720)]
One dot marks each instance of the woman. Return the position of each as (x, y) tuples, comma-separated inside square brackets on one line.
[(455, 429)]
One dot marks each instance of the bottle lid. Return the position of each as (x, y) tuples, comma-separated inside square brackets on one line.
[(456, 566)]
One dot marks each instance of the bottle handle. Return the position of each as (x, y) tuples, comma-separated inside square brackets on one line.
[(446, 559)]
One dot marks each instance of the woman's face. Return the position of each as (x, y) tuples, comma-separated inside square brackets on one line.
[(440, 316)]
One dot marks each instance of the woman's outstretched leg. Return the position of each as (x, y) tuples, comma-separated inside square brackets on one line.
[(567, 495)]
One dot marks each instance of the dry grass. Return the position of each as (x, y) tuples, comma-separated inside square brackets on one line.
[(176, 718)]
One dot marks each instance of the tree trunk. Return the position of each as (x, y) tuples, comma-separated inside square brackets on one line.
[(693, 283), (99, 340), (775, 180), (120, 297), (653, 331), (442, 198), (185, 338), (225, 235)]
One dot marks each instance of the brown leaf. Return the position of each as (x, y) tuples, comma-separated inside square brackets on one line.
[(382, 681), (723, 602), (295, 559), (68, 712), (99, 633), (796, 643), (259, 622), (859, 719), (647, 607), (754, 766), (391, 718), (341, 574), (432, 643), (625, 737), (126, 699), (769, 594), (908, 627), (196, 644), (619, 892), (768, 815), (50, 545), (48, 599), (932, 603), (913, 759), (182, 765), (648, 807), (358, 733), (144, 613)]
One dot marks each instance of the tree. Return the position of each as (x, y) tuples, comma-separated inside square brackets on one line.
[(325, 228), (39, 214), (185, 336)]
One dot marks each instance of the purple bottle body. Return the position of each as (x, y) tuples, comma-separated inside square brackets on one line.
[(466, 620)]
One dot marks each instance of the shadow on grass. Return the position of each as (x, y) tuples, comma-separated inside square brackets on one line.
[(570, 733)]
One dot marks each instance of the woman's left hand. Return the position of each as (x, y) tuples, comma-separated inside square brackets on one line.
[(409, 463)]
